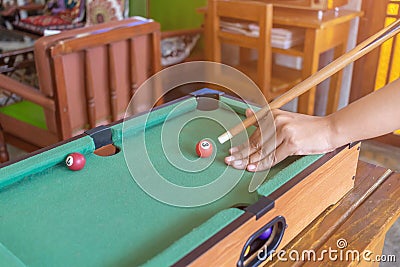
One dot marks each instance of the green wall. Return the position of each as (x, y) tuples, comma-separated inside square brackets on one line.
[(172, 14), (137, 8)]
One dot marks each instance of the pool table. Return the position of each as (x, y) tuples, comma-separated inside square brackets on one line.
[(145, 198)]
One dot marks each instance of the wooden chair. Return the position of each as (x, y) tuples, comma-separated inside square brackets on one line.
[(54, 15), (271, 84), (86, 78)]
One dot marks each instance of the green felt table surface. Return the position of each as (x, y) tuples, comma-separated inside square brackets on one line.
[(100, 216)]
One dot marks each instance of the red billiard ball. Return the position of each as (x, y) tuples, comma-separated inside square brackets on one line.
[(204, 149), (75, 161)]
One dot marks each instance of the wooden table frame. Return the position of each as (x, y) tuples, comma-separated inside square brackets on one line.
[(361, 218), (310, 186)]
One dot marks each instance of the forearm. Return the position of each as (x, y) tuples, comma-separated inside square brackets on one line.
[(373, 115), (299, 134)]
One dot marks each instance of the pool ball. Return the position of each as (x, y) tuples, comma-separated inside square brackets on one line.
[(75, 161), (266, 234), (204, 149), (246, 252)]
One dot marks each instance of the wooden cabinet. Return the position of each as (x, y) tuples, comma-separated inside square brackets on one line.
[(323, 31)]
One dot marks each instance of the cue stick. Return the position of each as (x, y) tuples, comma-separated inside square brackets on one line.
[(329, 70)]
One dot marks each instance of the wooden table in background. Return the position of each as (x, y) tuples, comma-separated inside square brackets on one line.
[(360, 220), (324, 30)]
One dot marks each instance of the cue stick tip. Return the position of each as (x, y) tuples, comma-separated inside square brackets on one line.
[(225, 137)]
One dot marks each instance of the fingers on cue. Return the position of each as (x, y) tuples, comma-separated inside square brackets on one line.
[(249, 112), (262, 165), (244, 150), (240, 164), (267, 142), (260, 144), (239, 157)]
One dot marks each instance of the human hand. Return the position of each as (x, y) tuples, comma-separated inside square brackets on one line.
[(296, 134)]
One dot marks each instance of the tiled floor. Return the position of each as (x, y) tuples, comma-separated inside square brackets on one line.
[(392, 245), (375, 153)]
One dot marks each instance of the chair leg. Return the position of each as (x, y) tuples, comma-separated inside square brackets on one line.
[(3, 148)]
